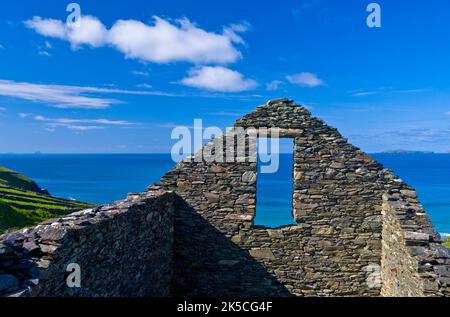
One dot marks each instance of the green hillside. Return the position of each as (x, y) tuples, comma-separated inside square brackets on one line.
[(9, 178), (447, 244), (23, 203)]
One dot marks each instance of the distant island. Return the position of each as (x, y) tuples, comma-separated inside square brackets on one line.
[(406, 152)]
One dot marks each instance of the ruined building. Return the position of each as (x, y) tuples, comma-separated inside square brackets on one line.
[(359, 230)]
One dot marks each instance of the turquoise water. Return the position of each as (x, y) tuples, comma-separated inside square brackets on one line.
[(106, 178), (275, 191), (429, 174), (91, 178)]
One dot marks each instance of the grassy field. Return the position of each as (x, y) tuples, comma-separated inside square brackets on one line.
[(23, 203), (447, 244)]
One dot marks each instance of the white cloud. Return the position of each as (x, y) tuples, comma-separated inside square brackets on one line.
[(44, 49), (61, 96), (305, 79), (48, 27), (80, 124), (386, 90), (172, 125), (140, 73), (273, 85), (55, 95), (88, 121), (79, 127), (164, 42), (218, 78), (90, 32), (225, 114), (144, 86), (2, 47), (409, 139), (2, 109), (364, 93), (161, 42), (44, 53), (233, 30)]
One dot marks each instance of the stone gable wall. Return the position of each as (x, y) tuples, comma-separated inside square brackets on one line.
[(335, 247), (359, 229)]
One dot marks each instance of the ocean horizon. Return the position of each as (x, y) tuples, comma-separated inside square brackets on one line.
[(105, 178)]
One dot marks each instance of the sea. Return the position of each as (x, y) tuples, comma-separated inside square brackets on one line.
[(104, 178)]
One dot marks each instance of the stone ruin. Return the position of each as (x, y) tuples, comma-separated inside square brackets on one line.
[(359, 230)]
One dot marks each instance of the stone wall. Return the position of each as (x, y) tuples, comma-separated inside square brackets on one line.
[(123, 249), (335, 247), (414, 263), (359, 229)]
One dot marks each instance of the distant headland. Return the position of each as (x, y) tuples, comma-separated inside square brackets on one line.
[(400, 151)]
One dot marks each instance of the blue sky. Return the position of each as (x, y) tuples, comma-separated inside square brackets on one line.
[(135, 69)]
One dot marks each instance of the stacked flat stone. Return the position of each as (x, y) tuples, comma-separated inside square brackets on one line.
[(335, 247), (117, 247), (359, 230), (414, 263)]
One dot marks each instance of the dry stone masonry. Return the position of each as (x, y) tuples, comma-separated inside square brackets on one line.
[(359, 230), (117, 247)]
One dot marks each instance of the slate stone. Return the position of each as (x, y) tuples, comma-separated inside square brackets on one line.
[(7, 281), (359, 229)]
